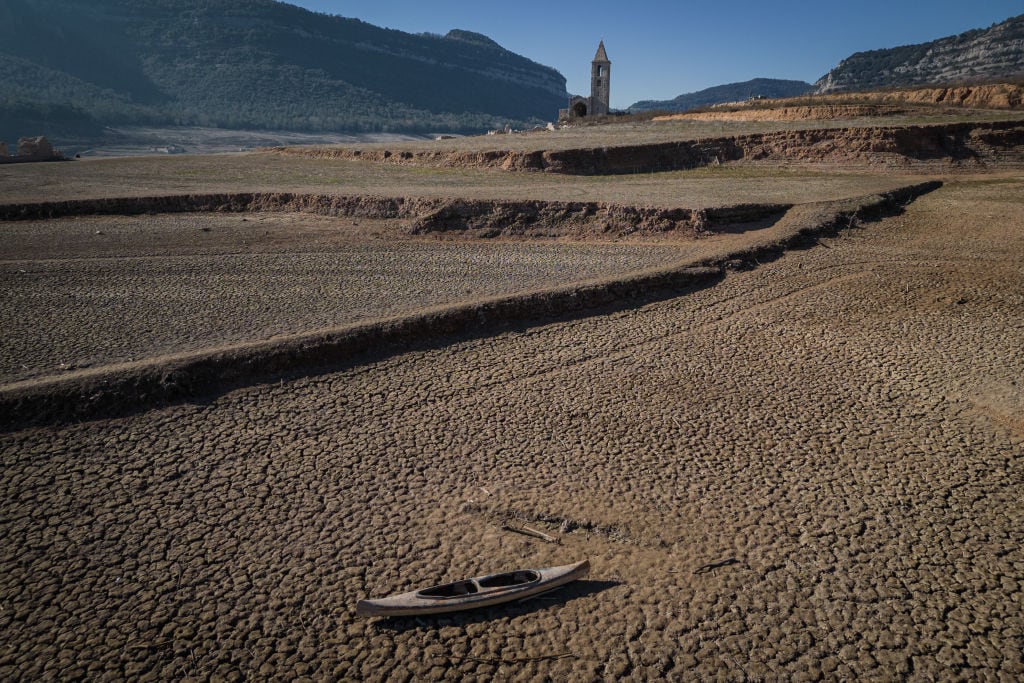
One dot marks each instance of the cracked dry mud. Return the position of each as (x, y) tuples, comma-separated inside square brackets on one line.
[(73, 300), (810, 470)]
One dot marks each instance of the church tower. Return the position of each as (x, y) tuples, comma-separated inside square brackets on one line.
[(600, 87)]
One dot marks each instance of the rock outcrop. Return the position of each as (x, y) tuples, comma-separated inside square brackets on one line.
[(35, 148), (971, 57), (991, 96), (30, 149)]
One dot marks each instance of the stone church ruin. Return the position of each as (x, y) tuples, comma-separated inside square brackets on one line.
[(600, 91)]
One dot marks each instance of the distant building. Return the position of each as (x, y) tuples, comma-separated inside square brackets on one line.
[(600, 91)]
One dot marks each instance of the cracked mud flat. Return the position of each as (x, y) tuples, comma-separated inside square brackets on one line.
[(91, 291), (810, 470)]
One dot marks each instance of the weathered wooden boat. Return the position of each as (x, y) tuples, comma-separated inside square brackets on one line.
[(481, 591)]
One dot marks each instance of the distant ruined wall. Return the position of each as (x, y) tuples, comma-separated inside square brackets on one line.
[(30, 149)]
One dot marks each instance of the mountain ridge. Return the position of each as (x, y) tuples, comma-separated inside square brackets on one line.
[(261, 64), (729, 92), (974, 56)]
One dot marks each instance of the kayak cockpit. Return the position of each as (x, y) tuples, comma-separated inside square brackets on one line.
[(507, 579), (449, 590), (493, 582)]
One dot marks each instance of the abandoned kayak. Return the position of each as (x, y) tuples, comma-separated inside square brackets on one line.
[(481, 591)]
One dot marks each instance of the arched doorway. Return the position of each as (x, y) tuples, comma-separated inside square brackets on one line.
[(579, 110)]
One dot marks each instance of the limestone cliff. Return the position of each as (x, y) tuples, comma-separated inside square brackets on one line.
[(989, 54)]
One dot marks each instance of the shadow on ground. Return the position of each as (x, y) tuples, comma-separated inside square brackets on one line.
[(577, 589)]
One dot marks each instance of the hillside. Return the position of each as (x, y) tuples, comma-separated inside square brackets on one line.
[(732, 92), (255, 64), (996, 53)]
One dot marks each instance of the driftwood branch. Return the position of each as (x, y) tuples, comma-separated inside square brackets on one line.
[(527, 531)]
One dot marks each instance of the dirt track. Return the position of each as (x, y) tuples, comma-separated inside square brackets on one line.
[(811, 469)]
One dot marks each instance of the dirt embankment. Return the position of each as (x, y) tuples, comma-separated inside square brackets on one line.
[(996, 96), (133, 386), (989, 96), (849, 105), (972, 144), (990, 144), (993, 144), (826, 112), (470, 218)]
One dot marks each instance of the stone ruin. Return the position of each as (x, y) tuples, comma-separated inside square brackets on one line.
[(600, 91), (30, 149), (36, 148)]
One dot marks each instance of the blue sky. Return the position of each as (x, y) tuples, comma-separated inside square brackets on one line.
[(662, 49)]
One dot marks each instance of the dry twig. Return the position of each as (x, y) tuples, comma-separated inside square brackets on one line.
[(527, 531)]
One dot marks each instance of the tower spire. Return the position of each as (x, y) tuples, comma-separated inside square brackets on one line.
[(600, 87)]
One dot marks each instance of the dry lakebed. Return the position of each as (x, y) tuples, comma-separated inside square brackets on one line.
[(789, 440)]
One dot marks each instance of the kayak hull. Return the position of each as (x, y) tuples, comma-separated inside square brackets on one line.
[(482, 591)]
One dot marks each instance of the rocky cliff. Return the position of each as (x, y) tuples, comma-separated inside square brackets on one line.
[(980, 55)]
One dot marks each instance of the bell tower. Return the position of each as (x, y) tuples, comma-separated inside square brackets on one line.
[(600, 87)]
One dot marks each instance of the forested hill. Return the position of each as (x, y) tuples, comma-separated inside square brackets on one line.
[(732, 92), (995, 53), (255, 64)]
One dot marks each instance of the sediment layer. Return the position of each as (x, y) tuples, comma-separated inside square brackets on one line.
[(876, 103), (135, 386), (823, 112), (486, 218), (988, 144)]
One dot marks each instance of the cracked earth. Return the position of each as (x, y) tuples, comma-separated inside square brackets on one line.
[(810, 470)]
